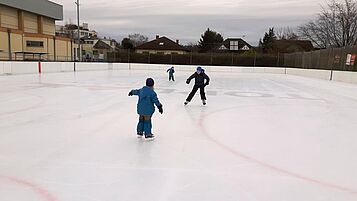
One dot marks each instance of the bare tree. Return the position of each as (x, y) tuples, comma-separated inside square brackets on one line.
[(335, 26), (286, 33), (138, 39)]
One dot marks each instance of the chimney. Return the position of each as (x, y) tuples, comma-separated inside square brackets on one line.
[(178, 41), (157, 36)]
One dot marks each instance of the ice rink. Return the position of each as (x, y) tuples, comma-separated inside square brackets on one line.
[(261, 137)]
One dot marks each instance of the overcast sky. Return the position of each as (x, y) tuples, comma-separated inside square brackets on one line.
[(186, 20)]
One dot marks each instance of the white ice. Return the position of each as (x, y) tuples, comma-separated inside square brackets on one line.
[(261, 137)]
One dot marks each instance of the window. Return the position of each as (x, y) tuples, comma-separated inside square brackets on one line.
[(233, 45), (34, 43)]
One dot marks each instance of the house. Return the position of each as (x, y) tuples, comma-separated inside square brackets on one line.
[(289, 46), (161, 45), (71, 30), (233, 45), (27, 31), (97, 49)]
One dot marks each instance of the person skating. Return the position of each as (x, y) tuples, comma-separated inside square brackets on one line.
[(200, 77), (171, 72), (146, 108)]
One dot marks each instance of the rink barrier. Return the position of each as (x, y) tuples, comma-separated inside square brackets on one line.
[(14, 68), (311, 73), (342, 76)]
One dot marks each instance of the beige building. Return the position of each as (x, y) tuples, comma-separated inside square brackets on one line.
[(27, 31)]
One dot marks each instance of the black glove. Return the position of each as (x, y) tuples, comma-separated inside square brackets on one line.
[(187, 81), (160, 109), (130, 93), (207, 83)]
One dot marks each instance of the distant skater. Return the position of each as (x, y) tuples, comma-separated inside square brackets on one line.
[(200, 77), (146, 108), (171, 72)]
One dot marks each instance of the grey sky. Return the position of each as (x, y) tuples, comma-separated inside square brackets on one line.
[(186, 20)]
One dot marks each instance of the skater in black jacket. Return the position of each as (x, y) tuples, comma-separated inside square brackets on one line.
[(200, 77)]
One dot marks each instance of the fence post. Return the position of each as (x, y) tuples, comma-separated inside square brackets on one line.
[(255, 58), (278, 60), (191, 58), (171, 58), (329, 56), (211, 58), (232, 58), (149, 58)]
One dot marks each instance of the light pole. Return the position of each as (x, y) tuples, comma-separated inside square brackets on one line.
[(78, 30)]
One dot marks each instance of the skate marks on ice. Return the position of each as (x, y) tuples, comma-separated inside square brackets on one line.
[(200, 122)]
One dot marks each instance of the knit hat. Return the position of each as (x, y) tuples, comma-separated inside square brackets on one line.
[(149, 82), (199, 68)]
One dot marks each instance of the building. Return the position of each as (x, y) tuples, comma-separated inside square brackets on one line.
[(71, 31), (234, 45), (27, 31), (97, 49), (161, 45)]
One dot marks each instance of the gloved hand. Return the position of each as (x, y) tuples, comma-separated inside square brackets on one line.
[(187, 81), (161, 110), (207, 83), (130, 93)]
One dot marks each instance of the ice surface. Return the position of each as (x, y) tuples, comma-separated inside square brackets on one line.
[(261, 137)]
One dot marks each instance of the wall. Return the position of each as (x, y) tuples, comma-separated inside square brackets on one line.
[(52, 67), (30, 23), (343, 76), (49, 26), (9, 17), (319, 74)]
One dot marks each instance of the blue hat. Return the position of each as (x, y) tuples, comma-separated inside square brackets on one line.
[(150, 82), (199, 68)]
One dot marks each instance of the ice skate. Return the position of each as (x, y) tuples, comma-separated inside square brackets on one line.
[(204, 102), (139, 135), (149, 137), (186, 102)]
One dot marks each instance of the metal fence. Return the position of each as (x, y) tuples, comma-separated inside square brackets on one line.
[(5, 56), (329, 59), (217, 59)]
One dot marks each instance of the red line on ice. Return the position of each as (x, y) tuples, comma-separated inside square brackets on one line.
[(267, 165), (46, 195)]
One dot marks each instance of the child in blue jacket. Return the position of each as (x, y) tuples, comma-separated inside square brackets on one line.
[(145, 108)]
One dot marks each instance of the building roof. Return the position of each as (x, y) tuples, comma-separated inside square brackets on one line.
[(241, 43), (162, 43), (286, 46), (41, 7), (102, 45)]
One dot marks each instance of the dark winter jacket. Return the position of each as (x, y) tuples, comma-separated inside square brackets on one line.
[(147, 99), (199, 79), (171, 71)]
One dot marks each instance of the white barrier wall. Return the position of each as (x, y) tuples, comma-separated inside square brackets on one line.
[(19, 67), (1, 68), (342, 76), (51, 67), (91, 66), (54, 67), (312, 73)]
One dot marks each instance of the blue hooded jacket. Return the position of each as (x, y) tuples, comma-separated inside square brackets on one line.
[(147, 99)]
